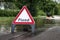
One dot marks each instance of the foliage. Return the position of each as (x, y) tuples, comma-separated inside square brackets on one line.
[(35, 6), (46, 5), (6, 20), (6, 0), (29, 3), (58, 9), (40, 13), (8, 13)]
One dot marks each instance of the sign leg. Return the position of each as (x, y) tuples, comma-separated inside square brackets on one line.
[(12, 28), (33, 28)]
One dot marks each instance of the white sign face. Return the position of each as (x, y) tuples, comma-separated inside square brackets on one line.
[(23, 17)]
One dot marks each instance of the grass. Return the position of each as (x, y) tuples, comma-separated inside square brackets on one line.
[(6, 20)]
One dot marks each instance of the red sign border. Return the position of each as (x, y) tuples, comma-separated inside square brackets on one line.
[(24, 7)]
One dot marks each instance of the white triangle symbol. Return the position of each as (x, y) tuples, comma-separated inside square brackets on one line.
[(23, 17)]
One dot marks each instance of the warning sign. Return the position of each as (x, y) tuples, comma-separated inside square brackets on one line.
[(24, 17)]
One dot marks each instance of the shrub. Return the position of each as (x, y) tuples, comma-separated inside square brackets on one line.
[(6, 20), (8, 13), (40, 13)]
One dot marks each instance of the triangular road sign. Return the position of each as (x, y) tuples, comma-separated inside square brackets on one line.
[(24, 17)]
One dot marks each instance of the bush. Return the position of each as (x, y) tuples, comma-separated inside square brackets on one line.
[(38, 22), (40, 13), (8, 13), (6, 20)]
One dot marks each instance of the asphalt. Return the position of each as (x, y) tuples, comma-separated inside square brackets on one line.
[(52, 33), (11, 35)]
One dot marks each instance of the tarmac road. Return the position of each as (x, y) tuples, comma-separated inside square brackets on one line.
[(50, 34)]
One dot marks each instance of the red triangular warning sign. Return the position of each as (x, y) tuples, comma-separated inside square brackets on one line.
[(24, 17)]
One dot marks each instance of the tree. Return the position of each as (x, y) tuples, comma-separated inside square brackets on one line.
[(29, 3), (47, 6)]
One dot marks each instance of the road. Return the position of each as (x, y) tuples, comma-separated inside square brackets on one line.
[(52, 33)]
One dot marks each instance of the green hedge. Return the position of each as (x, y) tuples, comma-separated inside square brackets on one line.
[(13, 13), (8, 13), (6, 20), (41, 13)]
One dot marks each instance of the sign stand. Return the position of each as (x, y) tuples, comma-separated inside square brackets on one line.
[(32, 28), (12, 28)]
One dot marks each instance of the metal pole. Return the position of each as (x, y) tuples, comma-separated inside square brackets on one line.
[(12, 28), (33, 28)]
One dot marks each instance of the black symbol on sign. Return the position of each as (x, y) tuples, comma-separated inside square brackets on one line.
[(20, 19)]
